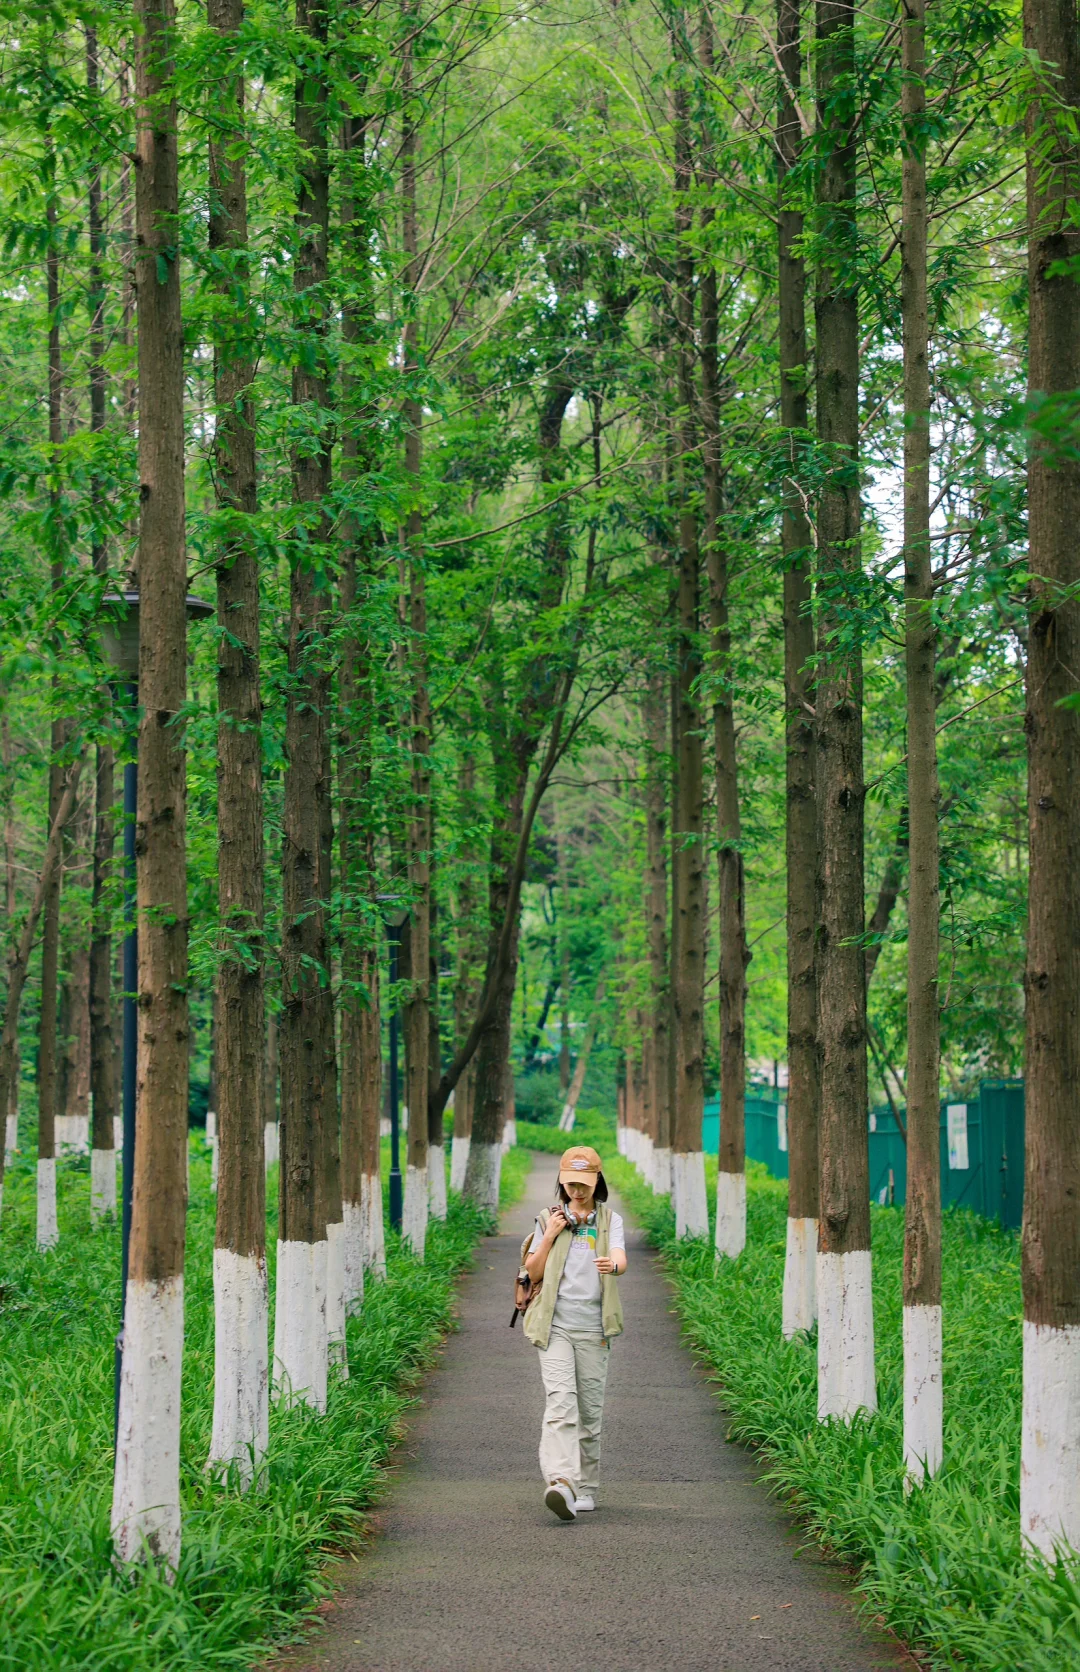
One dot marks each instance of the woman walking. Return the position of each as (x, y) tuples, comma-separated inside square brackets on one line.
[(576, 1254)]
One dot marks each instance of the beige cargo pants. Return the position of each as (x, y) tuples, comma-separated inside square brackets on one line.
[(574, 1368)]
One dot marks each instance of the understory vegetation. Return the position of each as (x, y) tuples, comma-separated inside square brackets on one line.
[(252, 1564), (941, 1566)]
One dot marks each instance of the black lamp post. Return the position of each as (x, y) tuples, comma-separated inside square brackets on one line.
[(120, 645), (395, 915)]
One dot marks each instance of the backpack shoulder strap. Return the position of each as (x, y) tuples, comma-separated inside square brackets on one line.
[(541, 1219)]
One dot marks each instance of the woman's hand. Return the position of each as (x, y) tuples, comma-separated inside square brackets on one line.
[(606, 1267), (557, 1223)]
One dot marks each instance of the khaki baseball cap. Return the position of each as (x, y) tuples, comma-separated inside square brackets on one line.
[(580, 1165)]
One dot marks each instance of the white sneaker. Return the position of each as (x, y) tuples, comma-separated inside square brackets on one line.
[(560, 1500), (584, 1502)]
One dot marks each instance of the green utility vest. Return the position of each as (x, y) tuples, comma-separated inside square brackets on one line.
[(537, 1321)]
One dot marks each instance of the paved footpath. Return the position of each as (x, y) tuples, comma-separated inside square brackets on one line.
[(686, 1565)]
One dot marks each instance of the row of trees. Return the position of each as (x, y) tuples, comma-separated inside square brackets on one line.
[(538, 391)]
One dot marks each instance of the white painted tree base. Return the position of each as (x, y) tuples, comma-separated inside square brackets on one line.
[(846, 1378), (211, 1126), (72, 1134), (1050, 1438), (371, 1209), (436, 1178), (414, 1212), (661, 1160), (646, 1161), (300, 1324), (48, 1234), (509, 1135), (214, 1166), (11, 1135), (241, 1363), (335, 1297), (922, 1393), (102, 1183), (799, 1307), (483, 1176), (567, 1118), (118, 1134), (459, 1162), (271, 1144), (688, 1188), (730, 1215), (352, 1216), (146, 1482)]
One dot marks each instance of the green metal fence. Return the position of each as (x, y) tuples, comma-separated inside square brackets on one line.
[(982, 1148)]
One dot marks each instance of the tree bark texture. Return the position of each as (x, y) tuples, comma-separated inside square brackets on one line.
[(18, 961), (240, 1286), (688, 872), (418, 837), (804, 1088), (300, 1342), (922, 1217), (361, 1047), (146, 1494), (845, 1335), (48, 1065), (734, 952), (1050, 1462), (102, 1044), (656, 913)]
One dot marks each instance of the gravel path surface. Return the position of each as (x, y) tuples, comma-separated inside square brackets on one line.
[(687, 1564)]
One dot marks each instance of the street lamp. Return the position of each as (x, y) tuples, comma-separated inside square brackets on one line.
[(119, 632), (394, 914)]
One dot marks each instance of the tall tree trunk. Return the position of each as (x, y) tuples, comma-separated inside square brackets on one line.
[(10, 1108), (361, 1044), (734, 953), (922, 1216), (103, 1087), (300, 1323), (436, 1144), (569, 1113), (241, 1296), (562, 932), (74, 1099), (418, 831), (336, 1307), (846, 1381), (469, 950), (47, 1228), (688, 870), (18, 962), (1049, 1460), (493, 1051), (656, 913), (146, 1491), (799, 1310), (270, 1089)]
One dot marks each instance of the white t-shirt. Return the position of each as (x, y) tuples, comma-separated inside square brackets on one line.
[(577, 1304)]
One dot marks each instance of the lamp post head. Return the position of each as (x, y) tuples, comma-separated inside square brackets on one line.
[(119, 630), (394, 910)]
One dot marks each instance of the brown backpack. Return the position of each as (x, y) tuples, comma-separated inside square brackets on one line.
[(525, 1291)]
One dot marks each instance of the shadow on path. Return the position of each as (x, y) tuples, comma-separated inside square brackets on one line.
[(687, 1564)]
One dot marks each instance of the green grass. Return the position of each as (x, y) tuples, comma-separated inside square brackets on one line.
[(590, 1127), (252, 1566), (942, 1567)]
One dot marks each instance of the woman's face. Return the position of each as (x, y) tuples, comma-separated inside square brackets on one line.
[(580, 1195)]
